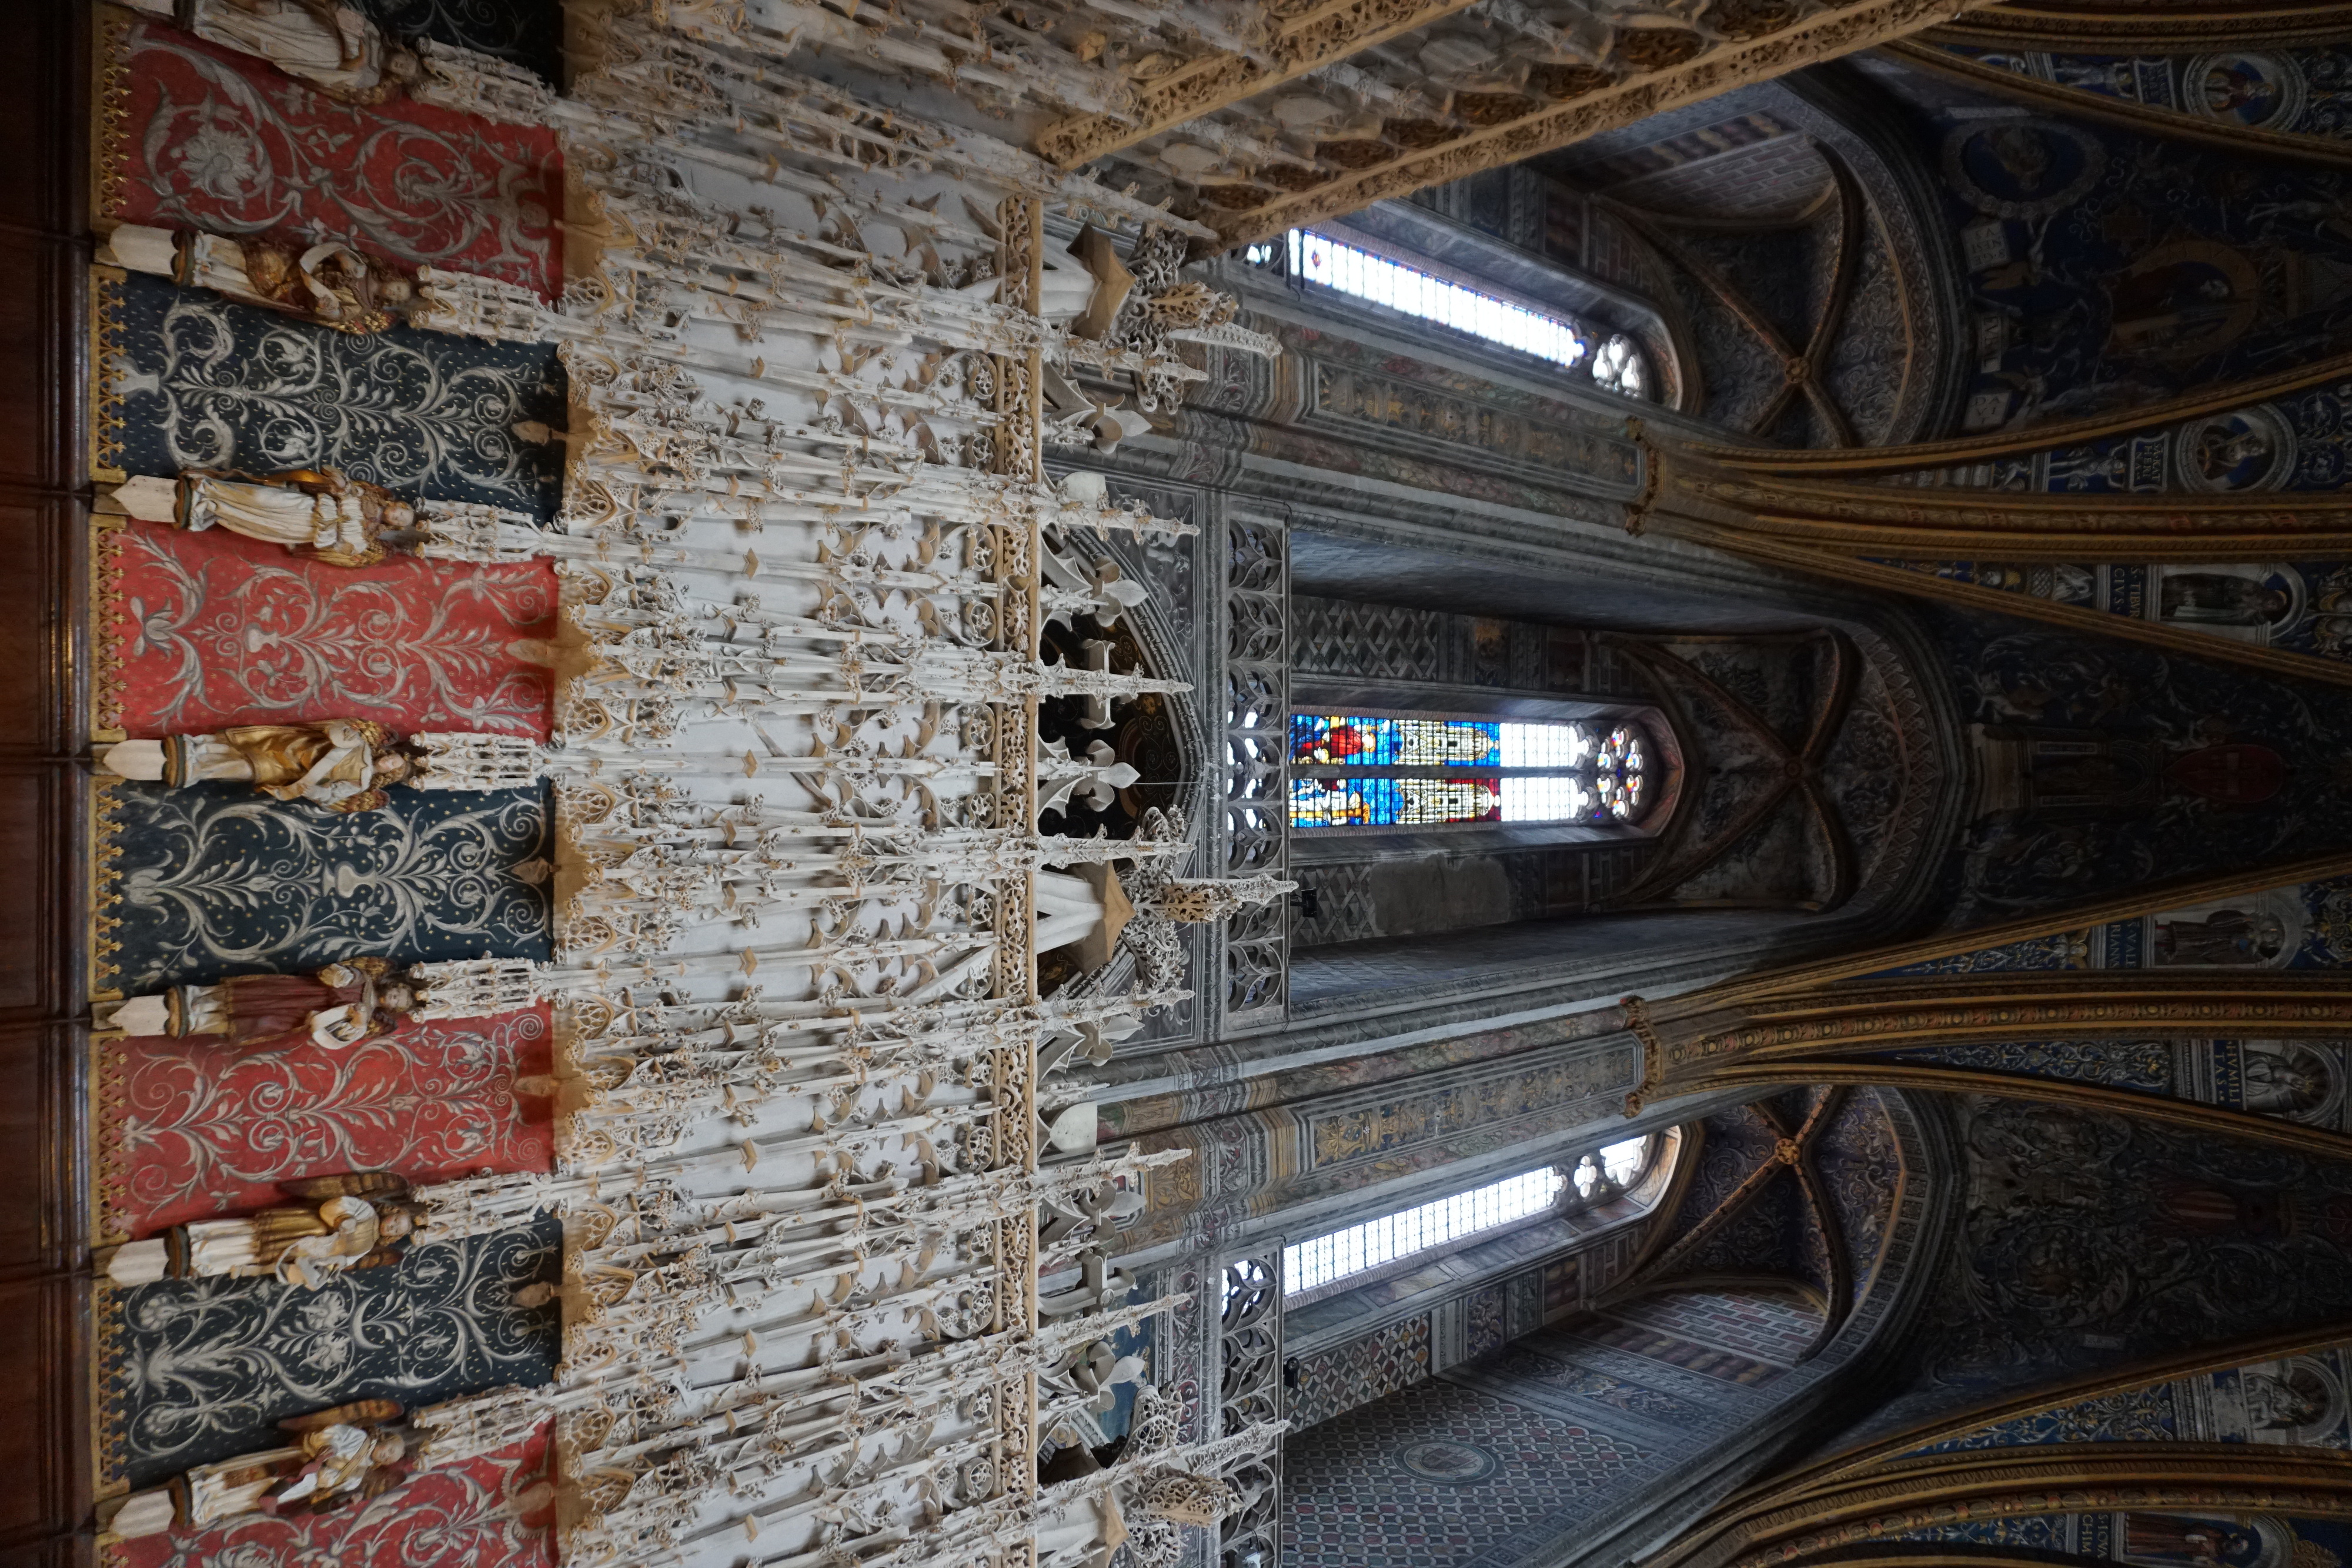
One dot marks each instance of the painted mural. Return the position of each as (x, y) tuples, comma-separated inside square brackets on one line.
[(208, 138), (2301, 925), (2300, 1081), (2299, 91), (2296, 1401), (2092, 1240), (212, 629), (2101, 766), (191, 379), (2301, 607), (2156, 1539), (2107, 265), (196, 1126)]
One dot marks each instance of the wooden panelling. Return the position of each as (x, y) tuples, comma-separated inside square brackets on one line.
[(44, 1251)]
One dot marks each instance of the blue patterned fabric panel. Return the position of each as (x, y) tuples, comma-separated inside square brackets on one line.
[(199, 381), (220, 880), (199, 1370)]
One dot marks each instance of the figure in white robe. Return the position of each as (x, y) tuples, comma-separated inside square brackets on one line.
[(332, 46)]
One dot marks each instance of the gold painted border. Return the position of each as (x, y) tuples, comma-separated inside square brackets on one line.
[(108, 357), (2126, 114), (109, 111), (107, 1475), (107, 534), (2132, 29), (110, 1163), (1956, 451), (104, 849)]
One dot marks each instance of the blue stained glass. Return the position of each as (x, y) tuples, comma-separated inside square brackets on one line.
[(1343, 741), (1552, 772), (1377, 802)]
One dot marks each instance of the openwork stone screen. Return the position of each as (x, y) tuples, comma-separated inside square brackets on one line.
[(1374, 771)]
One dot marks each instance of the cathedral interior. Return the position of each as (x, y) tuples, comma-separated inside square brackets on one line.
[(1177, 784)]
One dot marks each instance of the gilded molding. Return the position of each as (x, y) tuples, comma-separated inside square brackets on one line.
[(2126, 114), (2183, 641), (2129, 29), (1826, 35), (1799, 978), (2008, 443), (1325, 34)]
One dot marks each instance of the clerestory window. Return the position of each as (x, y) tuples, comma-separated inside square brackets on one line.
[(1376, 1243), (1391, 770), (1616, 366)]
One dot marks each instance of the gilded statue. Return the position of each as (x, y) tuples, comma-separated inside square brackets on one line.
[(343, 764), (336, 1223)]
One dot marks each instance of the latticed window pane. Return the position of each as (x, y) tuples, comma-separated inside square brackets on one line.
[(1375, 1243), (1320, 259)]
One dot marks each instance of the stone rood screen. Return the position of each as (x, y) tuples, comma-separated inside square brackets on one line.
[(1367, 770)]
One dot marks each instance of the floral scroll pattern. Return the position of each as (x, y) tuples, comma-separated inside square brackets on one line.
[(218, 880), (195, 1128), (207, 138), (216, 629), (192, 381), (198, 1370), (493, 1509)]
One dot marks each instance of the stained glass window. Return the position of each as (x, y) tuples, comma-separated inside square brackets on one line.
[(1371, 770)]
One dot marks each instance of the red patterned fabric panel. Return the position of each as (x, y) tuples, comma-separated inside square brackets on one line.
[(494, 1511), (212, 628), (207, 138), (191, 1128)]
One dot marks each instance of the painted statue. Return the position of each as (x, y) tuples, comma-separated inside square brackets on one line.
[(2230, 936), (315, 512), (328, 283), (348, 1454), (337, 1223), (343, 764), (337, 1007), (332, 46), (2220, 598)]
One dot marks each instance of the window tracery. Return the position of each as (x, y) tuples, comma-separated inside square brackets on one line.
[(1388, 770)]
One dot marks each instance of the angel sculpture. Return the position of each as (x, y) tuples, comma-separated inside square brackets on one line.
[(360, 1220), (348, 1454)]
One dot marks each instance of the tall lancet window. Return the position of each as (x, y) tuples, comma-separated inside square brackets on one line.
[(1400, 770)]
